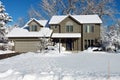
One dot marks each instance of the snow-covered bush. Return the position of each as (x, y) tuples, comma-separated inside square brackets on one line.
[(111, 38), (43, 44)]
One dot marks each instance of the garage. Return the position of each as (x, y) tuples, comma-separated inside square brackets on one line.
[(26, 45)]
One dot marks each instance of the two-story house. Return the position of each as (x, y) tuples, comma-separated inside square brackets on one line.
[(76, 32)]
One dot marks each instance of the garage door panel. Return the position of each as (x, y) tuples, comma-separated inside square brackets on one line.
[(26, 46)]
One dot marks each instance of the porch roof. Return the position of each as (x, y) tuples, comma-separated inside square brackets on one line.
[(66, 35)]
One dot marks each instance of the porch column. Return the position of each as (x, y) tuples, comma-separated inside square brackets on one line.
[(59, 45), (77, 45)]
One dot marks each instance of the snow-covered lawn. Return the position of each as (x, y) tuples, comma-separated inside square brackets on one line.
[(54, 66)]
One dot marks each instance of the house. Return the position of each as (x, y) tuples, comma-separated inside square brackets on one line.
[(76, 32), (28, 38)]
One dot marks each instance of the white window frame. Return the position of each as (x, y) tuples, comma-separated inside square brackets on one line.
[(34, 28), (69, 26), (89, 28)]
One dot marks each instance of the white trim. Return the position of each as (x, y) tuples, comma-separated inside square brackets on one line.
[(66, 35)]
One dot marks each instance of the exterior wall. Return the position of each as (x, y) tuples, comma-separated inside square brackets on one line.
[(92, 35), (34, 23), (76, 26), (61, 28), (55, 28)]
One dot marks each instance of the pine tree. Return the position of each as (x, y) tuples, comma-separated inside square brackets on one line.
[(4, 19)]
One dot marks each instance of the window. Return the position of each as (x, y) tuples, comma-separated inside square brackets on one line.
[(89, 28), (92, 28), (69, 26), (34, 28), (86, 44), (89, 43)]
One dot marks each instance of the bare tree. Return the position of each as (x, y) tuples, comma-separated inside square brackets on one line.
[(20, 22), (48, 8), (32, 13)]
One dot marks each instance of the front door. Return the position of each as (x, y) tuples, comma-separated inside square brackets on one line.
[(69, 44)]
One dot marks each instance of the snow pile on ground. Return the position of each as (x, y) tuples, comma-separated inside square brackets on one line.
[(81, 66), (91, 49)]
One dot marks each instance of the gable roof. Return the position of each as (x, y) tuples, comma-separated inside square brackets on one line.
[(57, 19), (80, 18), (20, 32), (41, 22)]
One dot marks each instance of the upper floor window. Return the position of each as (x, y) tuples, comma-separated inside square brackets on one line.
[(34, 28), (69, 26), (89, 28)]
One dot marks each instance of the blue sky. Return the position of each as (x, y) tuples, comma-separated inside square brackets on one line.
[(19, 8)]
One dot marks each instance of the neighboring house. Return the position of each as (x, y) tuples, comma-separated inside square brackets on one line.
[(76, 32), (28, 38)]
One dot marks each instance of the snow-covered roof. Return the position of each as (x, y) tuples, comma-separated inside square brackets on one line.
[(80, 18), (66, 35), (20, 32), (41, 22), (57, 19)]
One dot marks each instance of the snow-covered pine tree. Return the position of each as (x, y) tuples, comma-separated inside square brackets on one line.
[(4, 19), (44, 43)]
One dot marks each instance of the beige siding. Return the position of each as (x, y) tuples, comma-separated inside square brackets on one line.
[(92, 35), (76, 25), (55, 28), (62, 26), (76, 45), (34, 23)]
